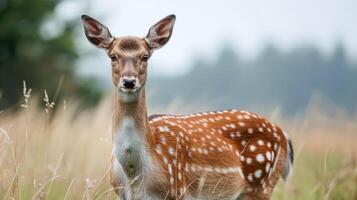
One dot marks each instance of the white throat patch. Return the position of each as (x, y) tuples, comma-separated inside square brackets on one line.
[(130, 149)]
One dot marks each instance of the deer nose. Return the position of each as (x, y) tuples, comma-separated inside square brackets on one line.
[(129, 83)]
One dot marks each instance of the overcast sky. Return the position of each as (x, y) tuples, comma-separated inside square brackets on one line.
[(202, 26)]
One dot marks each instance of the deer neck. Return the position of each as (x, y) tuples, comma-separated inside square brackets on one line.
[(131, 135), (136, 111)]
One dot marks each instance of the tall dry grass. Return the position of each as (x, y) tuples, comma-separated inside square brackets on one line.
[(66, 155)]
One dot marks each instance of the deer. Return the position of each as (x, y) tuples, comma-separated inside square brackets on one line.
[(225, 154)]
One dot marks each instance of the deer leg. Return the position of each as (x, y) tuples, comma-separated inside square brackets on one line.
[(116, 184), (119, 180)]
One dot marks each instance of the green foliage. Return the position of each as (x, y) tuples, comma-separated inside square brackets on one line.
[(26, 54)]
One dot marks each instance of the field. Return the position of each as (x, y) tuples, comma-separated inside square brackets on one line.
[(66, 155)]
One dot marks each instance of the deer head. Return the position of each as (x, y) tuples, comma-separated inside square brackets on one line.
[(129, 55)]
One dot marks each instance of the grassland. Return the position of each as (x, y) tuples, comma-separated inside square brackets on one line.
[(66, 155)]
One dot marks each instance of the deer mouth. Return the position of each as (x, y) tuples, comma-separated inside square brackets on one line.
[(128, 91), (129, 95)]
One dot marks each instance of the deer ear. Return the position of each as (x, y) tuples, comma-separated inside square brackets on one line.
[(160, 33), (96, 33)]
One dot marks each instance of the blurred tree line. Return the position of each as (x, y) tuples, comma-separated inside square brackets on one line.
[(45, 63), (274, 78)]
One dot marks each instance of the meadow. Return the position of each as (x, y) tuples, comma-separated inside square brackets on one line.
[(65, 154)]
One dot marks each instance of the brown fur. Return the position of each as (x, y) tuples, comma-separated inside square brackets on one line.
[(218, 159), (129, 44)]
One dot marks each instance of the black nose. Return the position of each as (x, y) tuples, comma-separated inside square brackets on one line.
[(129, 83)]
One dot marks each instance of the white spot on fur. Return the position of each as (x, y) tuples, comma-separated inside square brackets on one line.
[(249, 161), (164, 129), (169, 168), (267, 167), (171, 151), (268, 155), (242, 158), (158, 149), (260, 158), (258, 173)]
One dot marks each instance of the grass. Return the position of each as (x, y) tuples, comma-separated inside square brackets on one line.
[(67, 156)]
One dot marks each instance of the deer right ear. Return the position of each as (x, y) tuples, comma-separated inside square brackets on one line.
[(96, 33), (160, 33)]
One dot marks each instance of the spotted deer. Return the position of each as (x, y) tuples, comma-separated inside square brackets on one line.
[(227, 154)]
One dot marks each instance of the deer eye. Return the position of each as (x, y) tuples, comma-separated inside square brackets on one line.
[(145, 58), (112, 57)]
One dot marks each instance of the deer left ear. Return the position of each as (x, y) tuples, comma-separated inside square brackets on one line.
[(97, 33), (160, 33)]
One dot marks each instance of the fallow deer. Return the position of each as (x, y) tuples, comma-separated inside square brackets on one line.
[(226, 154)]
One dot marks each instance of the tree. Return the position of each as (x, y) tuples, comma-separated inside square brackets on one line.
[(26, 54)]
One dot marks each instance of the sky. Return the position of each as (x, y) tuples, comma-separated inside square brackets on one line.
[(203, 26)]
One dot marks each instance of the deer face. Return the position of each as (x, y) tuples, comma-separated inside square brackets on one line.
[(129, 59), (129, 55)]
